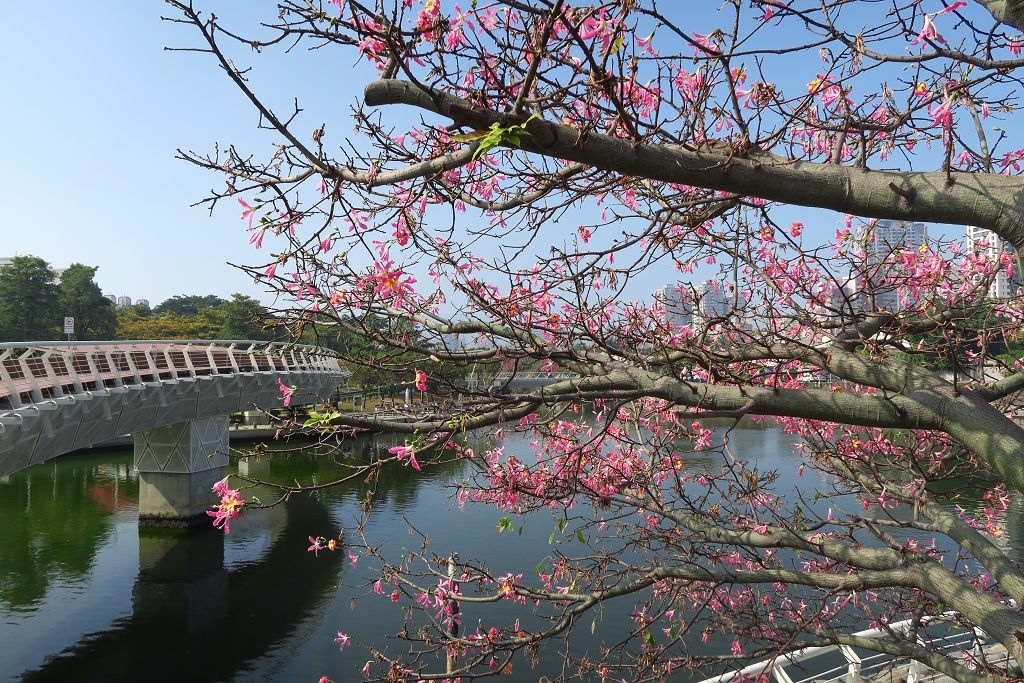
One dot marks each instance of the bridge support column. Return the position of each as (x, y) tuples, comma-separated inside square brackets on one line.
[(178, 465)]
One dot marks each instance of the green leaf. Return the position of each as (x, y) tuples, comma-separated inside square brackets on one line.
[(581, 537), (498, 134)]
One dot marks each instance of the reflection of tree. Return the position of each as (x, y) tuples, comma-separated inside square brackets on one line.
[(195, 621), (51, 527), (394, 483)]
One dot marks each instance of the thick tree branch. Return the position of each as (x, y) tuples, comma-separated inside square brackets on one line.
[(987, 200)]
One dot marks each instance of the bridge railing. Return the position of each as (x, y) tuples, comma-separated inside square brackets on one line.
[(33, 373), (968, 643)]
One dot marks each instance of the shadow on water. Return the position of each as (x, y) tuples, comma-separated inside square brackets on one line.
[(194, 618)]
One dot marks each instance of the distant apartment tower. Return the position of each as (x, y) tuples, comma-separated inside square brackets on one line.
[(124, 301), (880, 240), (676, 300), (695, 304), (142, 303), (988, 244), (845, 298), (111, 298)]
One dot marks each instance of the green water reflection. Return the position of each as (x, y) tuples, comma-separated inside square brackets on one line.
[(54, 518), (85, 595)]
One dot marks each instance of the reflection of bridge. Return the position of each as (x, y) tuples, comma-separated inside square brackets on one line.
[(197, 616), (173, 396)]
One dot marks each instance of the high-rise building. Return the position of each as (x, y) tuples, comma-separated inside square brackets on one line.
[(142, 303), (677, 302), (990, 245), (714, 300), (687, 304), (881, 241), (124, 301)]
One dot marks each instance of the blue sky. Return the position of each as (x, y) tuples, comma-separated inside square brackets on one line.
[(95, 109)]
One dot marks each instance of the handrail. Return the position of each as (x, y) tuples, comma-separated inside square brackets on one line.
[(41, 374), (775, 665), (117, 342)]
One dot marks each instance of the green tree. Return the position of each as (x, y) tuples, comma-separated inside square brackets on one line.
[(189, 304), (28, 300), (245, 318), (131, 325), (78, 295)]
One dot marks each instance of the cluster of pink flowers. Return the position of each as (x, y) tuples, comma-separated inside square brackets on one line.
[(390, 283), (229, 506)]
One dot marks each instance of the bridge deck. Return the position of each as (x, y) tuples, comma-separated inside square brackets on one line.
[(40, 372), (59, 396)]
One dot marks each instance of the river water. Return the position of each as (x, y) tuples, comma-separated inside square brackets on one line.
[(85, 595)]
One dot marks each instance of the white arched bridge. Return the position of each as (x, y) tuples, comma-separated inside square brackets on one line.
[(174, 397)]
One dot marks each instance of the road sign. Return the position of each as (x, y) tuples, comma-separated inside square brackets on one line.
[(69, 325)]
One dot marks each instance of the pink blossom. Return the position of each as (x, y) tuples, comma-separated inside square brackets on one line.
[(928, 31), (942, 115), (286, 392), (248, 211), (256, 238), (403, 452), (601, 27), (390, 282), (421, 380), (343, 640), (221, 488), (230, 503), (316, 545)]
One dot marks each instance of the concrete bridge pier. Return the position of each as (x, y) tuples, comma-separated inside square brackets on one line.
[(178, 465)]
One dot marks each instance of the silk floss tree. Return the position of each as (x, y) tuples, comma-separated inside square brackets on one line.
[(518, 175)]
